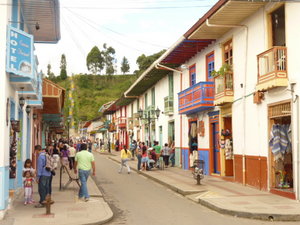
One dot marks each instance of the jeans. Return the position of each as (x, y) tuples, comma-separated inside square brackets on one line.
[(71, 162), (124, 163), (83, 177), (50, 185), (172, 159), (166, 159), (44, 185), (139, 157)]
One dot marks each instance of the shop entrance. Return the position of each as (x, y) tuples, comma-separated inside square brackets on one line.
[(281, 154), (226, 142), (193, 141), (216, 150)]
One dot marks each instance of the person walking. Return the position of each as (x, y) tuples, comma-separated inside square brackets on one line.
[(64, 154), (133, 147), (43, 178), (166, 154), (55, 154), (172, 154), (125, 157), (139, 152), (72, 153), (85, 161)]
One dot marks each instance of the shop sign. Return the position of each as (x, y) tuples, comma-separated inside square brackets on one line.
[(19, 59)]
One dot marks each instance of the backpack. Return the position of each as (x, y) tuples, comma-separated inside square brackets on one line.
[(50, 164)]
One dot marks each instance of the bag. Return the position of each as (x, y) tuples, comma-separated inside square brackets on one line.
[(49, 163)]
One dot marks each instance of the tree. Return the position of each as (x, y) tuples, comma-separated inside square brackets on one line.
[(63, 67), (144, 62), (50, 75), (109, 58), (95, 61), (125, 65)]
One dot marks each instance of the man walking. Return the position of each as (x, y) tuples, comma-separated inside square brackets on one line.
[(85, 162), (43, 178)]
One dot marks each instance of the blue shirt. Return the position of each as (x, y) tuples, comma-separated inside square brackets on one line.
[(41, 164)]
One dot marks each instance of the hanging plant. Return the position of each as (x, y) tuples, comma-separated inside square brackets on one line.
[(224, 69)]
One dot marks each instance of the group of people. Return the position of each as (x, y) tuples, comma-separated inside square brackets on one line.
[(68, 154), (148, 157)]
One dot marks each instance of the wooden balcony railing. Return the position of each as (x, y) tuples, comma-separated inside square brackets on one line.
[(169, 103), (122, 122), (224, 88), (197, 98), (272, 68)]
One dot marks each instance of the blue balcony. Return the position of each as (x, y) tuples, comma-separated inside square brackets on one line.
[(197, 98)]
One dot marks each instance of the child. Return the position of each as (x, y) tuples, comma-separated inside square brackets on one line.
[(28, 187), (28, 167)]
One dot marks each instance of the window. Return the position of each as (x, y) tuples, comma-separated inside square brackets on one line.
[(192, 75), (210, 66), (228, 52), (153, 96)]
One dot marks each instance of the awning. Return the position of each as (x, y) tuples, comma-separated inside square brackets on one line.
[(47, 14), (53, 97), (224, 12)]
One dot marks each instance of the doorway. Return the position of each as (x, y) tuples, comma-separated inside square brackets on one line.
[(215, 148), (281, 153), (278, 27)]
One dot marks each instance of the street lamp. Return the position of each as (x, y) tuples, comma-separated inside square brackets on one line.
[(148, 115)]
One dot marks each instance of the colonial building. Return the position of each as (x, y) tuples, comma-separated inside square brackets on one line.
[(22, 23)]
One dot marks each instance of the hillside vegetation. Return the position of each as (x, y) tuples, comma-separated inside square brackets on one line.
[(92, 91)]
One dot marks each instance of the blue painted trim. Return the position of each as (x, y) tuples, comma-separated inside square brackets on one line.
[(214, 113), (185, 158), (204, 155), (4, 187), (20, 164), (15, 7), (20, 79), (35, 102), (28, 138)]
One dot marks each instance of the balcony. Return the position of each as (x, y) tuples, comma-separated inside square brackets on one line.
[(122, 121), (224, 89), (169, 103), (197, 98), (272, 69)]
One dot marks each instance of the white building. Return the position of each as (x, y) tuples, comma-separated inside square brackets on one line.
[(22, 23)]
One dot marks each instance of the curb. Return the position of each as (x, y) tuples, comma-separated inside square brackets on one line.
[(234, 213)]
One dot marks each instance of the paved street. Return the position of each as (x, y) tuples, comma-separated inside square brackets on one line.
[(135, 199)]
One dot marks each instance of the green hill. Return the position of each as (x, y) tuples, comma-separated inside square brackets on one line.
[(92, 91)]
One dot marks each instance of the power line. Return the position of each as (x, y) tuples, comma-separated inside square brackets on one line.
[(123, 44), (113, 31), (110, 8)]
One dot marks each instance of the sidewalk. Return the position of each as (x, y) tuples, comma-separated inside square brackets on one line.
[(67, 209), (223, 196)]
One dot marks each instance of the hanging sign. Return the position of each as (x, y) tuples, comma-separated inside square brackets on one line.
[(19, 59)]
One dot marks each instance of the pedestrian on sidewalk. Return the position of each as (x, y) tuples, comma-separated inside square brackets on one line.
[(64, 154), (55, 155), (166, 154), (172, 154), (27, 191), (125, 157), (50, 166), (133, 147), (43, 178), (28, 187), (139, 154), (145, 158), (85, 161), (72, 153)]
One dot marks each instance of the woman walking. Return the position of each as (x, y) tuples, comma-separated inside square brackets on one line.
[(166, 154), (125, 157)]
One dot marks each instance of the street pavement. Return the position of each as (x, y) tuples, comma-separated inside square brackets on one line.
[(223, 196), (67, 209)]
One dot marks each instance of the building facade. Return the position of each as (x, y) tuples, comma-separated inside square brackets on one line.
[(22, 24)]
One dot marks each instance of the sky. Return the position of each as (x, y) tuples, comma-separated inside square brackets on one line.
[(131, 27)]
